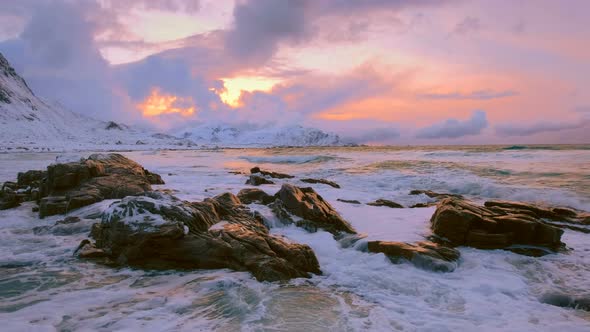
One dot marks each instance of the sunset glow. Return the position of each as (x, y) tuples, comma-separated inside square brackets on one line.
[(233, 88), (158, 103)]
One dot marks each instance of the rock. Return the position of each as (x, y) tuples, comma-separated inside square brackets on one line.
[(159, 231), (433, 194), (422, 205), (560, 214), (69, 186), (316, 213), (31, 178), (253, 195), (68, 220), (256, 180), (567, 301), (426, 255), (153, 178), (385, 202), (464, 223), (274, 175), (322, 181), (349, 201)]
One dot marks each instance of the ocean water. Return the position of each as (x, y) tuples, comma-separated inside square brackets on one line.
[(44, 288)]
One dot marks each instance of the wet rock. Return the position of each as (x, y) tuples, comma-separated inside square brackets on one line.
[(560, 214), (31, 178), (433, 194), (274, 175), (159, 231), (9, 200), (68, 220), (322, 181), (385, 202), (349, 201), (567, 300), (314, 211), (153, 178), (102, 176), (464, 223), (253, 195), (255, 180), (422, 205), (426, 255)]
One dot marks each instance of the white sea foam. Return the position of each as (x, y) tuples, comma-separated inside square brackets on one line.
[(42, 287)]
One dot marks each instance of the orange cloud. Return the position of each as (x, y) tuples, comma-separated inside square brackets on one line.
[(158, 103)]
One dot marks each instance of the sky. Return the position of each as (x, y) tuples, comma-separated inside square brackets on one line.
[(372, 71)]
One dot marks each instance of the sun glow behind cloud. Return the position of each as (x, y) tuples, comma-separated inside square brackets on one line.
[(159, 103), (233, 88)]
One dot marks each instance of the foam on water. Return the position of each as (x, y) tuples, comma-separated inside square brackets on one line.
[(43, 287)]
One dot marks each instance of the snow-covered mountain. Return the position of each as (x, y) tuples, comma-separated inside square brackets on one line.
[(227, 135), (30, 123)]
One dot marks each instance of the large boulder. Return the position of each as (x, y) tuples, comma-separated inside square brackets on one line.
[(159, 231), (313, 210), (425, 254), (73, 185), (464, 223), (256, 180)]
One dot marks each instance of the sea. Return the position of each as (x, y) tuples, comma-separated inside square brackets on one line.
[(43, 287)]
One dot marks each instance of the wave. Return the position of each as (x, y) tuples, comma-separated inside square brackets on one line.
[(293, 159)]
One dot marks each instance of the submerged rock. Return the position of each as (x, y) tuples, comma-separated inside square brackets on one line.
[(313, 210), (433, 194), (464, 223), (162, 232), (322, 181), (349, 201), (567, 300), (274, 175), (385, 202), (426, 255), (256, 180)]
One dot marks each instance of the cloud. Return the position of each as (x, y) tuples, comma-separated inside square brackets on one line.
[(453, 128), (475, 95), (467, 26), (536, 128), (261, 26)]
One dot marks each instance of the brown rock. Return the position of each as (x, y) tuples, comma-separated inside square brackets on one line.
[(322, 181), (464, 223), (159, 231), (255, 180), (102, 176), (313, 209), (385, 202), (274, 175), (433, 194), (424, 254), (253, 195)]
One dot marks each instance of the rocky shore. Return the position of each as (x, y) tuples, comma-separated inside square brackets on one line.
[(152, 229)]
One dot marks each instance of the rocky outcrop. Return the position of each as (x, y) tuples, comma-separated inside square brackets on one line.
[(464, 223), (426, 255), (255, 180), (160, 231), (387, 203), (313, 210), (253, 195), (322, 181), (67, 186), (274, 175)]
